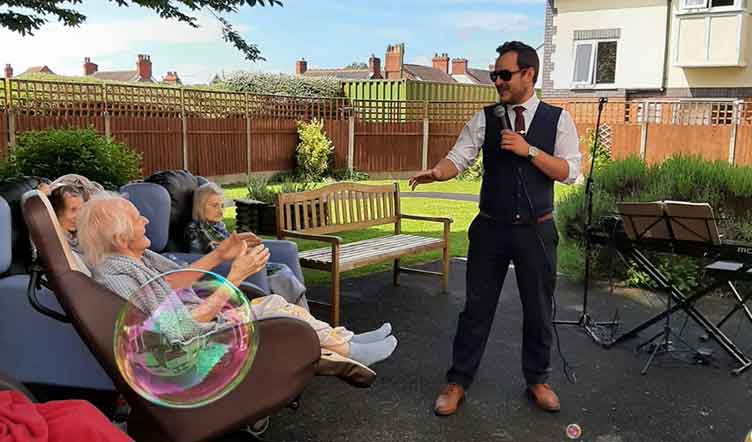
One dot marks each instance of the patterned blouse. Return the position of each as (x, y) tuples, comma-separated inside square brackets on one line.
[(204, 236), (170, 309)]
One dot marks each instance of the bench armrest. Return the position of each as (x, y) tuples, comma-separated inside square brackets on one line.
[(323, 238), (427, 218)]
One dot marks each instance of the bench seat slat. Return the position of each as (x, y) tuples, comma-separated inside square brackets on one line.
[(360, 253)]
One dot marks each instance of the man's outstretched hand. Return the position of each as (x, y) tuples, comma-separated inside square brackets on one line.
[(424, 177)]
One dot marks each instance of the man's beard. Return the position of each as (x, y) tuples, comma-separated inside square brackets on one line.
[(512, 97)]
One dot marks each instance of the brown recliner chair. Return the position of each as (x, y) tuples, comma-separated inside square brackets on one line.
[(285, 362)]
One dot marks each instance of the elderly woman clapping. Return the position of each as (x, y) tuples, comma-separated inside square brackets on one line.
[(207, 230), (113, 238)]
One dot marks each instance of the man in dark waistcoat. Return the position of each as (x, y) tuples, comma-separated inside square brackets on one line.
[(515, 224)]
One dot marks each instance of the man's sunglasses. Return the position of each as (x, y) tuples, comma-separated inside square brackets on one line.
[(504, 74)]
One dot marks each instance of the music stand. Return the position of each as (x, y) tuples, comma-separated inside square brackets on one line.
[(667, 221)]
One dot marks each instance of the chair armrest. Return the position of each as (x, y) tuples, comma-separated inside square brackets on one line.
[(251, 290), (323, 238), (427, 218)]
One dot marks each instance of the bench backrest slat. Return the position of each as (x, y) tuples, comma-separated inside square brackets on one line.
[(338, 207)]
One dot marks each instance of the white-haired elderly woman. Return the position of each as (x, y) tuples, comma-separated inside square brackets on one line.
[(207, 230), (113, 238)]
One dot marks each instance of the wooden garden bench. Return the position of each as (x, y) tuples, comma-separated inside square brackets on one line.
[(342, 207)]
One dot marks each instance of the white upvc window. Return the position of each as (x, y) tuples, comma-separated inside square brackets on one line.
[(693, 5), (594, 63)]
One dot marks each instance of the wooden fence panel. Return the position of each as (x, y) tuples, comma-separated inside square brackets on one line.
[(217, 146), (393, 147), (3, 134), (337, 131), (441, 139), (273, 144), (158, 139), (709, 142), (624, 139), (743, 155), (40, 122)]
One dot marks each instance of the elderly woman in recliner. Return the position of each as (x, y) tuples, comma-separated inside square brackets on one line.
[(113, 238), (207, 230)]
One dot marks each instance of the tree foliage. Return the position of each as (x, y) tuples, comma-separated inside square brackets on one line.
[(27, 16), (357, 65)]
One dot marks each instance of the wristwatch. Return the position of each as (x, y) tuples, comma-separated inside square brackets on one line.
[(532, 152)]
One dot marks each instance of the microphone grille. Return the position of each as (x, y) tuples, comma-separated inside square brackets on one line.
[(500, 111)]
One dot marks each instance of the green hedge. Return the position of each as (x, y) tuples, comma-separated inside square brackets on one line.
[(281, 84), (56, 152), (728, 189)]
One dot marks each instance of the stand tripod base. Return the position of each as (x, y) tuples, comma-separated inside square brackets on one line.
[(666, 347), (589, 326)]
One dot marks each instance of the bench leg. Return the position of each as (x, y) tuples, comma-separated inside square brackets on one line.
[(334, 313), (396, 271), (445, 264)]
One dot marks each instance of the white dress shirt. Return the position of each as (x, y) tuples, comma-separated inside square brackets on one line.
[(469, 143)]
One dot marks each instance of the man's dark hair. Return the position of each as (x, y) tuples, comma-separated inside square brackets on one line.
[(527, 57)]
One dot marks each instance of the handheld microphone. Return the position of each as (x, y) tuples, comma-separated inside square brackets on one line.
[(501, 113)]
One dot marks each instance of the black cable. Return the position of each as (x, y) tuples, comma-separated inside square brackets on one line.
[(568, 371)]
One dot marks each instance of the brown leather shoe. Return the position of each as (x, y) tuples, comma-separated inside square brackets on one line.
[(449, 400), (346, 369), (544, 397)]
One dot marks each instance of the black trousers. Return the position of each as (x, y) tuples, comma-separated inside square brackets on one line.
[(493, 245)]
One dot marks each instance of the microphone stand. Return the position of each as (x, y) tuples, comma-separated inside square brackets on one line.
[(586, 322)]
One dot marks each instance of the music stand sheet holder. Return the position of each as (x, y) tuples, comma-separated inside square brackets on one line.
[(672, 226)]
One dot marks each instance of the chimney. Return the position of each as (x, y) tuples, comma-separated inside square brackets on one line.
[(143, 66), (301, 66), (8, 71), (459, 66), (374, 68), (441, 62), (171, 78), (89, 67), (394, 61)]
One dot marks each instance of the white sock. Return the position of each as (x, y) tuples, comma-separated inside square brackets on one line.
[(374, 335), (374, 352)]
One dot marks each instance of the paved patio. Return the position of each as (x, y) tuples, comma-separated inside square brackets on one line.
[(611, 401)]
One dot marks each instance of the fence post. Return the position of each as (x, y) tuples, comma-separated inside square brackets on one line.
[(644, 113), (248, 133), (184, 129), (734, 126), (424, 153), (11, 128), (351, 142), (106, 113), (11, 114)]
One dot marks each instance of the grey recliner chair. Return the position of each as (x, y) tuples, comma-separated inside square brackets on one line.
[(35, 347), (285, 363)]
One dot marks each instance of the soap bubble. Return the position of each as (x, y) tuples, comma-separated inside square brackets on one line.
[(185, 347), (574, 431)]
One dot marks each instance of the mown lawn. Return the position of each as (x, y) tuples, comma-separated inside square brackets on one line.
[(461, 212)]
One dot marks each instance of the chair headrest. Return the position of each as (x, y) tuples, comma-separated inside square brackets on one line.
[(153, 202), (6, 249), (12, 190), (53, 249), (180, 185)]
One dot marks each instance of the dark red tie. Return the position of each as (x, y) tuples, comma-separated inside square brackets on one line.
[(519, 119)]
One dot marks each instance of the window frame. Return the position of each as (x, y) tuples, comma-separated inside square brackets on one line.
[(708, 6), (591, 82)]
